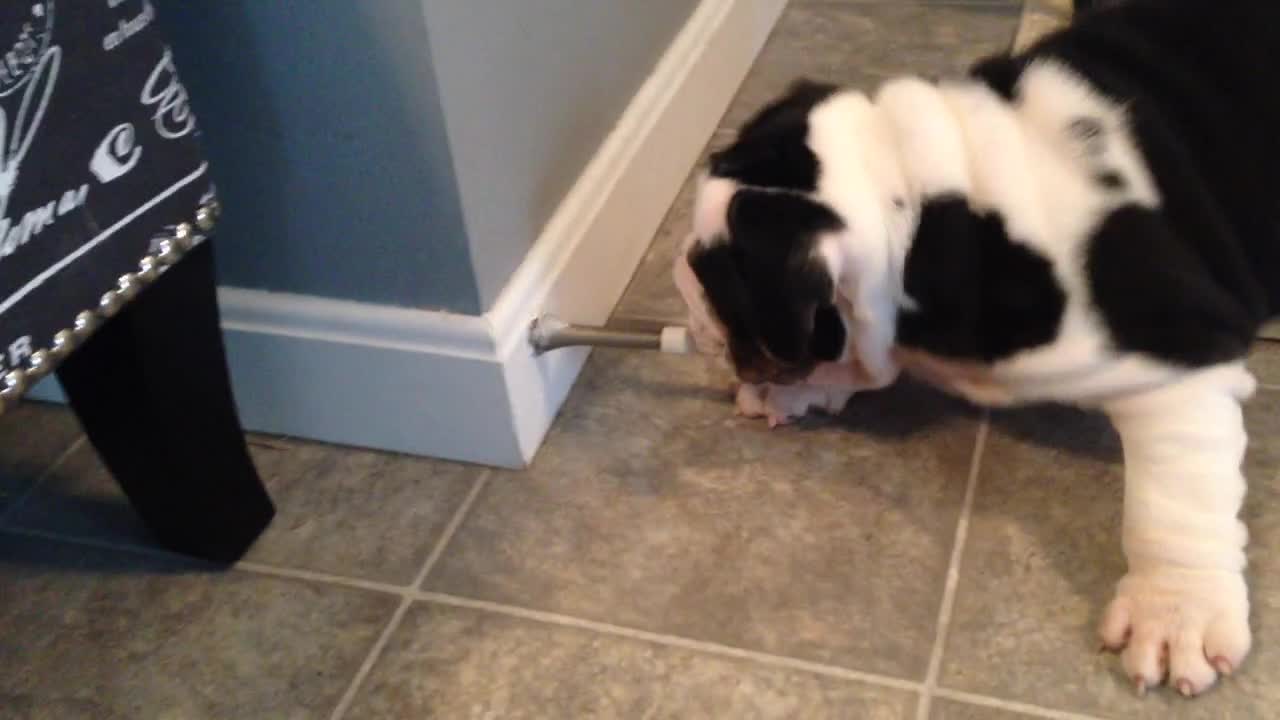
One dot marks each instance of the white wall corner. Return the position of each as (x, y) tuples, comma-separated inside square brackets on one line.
[(586, 255), (469, 388)]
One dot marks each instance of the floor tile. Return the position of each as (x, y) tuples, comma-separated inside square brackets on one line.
[(1039, 18), (1264, 361), (862, 45), (652, 292), (340, 510), (105, 636), (1043, 556), (357, 513), (32, 437), (79, 498), (651, 506), (454, 663), (944, 709)]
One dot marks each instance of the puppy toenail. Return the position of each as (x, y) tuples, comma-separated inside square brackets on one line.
[(1184, 687), (1223, 666), (1140, 686)]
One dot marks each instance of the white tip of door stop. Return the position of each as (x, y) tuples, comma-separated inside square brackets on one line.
[(543, 328), (676, 340)]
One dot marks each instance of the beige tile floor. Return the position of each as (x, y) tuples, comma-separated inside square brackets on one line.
[(661, 559)]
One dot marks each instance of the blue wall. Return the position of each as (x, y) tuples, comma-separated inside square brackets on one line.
[(323, 124)]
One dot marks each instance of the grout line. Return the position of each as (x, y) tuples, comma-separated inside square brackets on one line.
[(255, 568), (21, 499), (408, 595), (1010, 705), (953, 572), (99, 544), (454, 523), (349, 696), (375, 652), (675, 641), (368, 665), (321, 577)]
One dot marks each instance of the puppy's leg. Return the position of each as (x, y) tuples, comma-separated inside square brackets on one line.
[(1183, 607), (780, 404)]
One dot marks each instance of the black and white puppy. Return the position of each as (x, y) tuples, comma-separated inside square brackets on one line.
[(1093, 221)]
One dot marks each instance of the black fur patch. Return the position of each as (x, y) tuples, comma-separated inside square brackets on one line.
[(1001, 74), (769, 288), (980, 295), (772, 149), (1191, 285), (1158, 296), (829, 335)]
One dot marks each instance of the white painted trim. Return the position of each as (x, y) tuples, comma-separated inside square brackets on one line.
[(694, 82), (584, 258), (341, 321), (469, 388)]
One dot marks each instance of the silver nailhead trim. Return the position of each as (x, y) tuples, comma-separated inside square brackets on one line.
[(169, 251)]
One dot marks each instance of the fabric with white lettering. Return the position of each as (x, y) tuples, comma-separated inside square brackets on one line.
[(99, 158)]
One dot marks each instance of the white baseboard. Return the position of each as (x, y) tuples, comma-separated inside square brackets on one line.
[(469, 388), (410, 381)]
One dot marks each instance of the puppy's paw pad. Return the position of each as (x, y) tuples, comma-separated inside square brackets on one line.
[(751, 400), (777, 404), (1183, 627)]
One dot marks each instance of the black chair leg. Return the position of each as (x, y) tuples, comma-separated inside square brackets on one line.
[(152, 390)]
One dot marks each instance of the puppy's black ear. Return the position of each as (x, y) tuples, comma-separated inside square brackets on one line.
[(806, 87), (718, 274), (775, 238), (726, 163), (829, 336), (772, 148)]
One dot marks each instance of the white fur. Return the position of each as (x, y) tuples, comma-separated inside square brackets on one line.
[(1184, 444), (709, 218), (708, 334), (862, 192), (780, 404)]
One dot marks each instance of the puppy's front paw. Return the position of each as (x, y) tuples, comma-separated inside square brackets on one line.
[(781, 404), (1189, 626), (762, 401)]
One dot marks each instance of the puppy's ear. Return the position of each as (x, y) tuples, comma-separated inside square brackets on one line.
[(772, 148), (775, 239), (829, 336), (717, 272), (807, 87)]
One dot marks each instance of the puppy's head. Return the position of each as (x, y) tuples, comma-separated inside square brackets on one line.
[(770, 286), (760, 272)]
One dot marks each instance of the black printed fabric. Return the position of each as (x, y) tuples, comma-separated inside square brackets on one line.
[(99, 158)]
